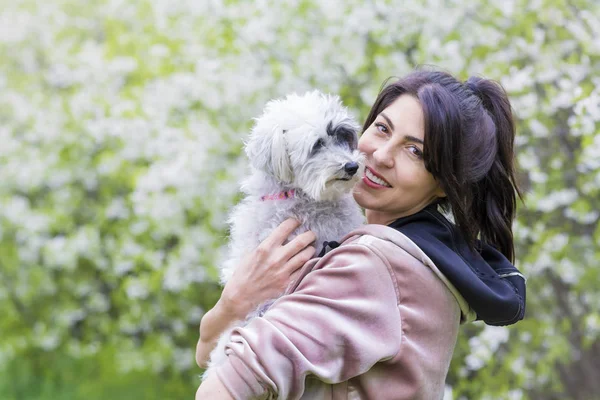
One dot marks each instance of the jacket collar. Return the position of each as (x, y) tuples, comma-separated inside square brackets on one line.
[(485, 284)]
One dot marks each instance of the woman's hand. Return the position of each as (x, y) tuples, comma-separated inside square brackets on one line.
[(263, 274), (267, 271)]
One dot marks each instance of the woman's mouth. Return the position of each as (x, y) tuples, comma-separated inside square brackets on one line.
[(371, 180)]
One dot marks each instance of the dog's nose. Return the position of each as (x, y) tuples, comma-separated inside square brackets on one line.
[(351, 168)]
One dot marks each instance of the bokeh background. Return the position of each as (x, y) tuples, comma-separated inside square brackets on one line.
[(121, 125)]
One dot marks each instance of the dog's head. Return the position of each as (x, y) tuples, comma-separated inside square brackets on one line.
[(308, 142)]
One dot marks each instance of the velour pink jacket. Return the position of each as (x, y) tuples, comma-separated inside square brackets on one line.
[(372, 319)]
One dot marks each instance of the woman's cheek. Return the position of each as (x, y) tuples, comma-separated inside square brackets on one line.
[(407, 175), (362, 142), (367, 142)]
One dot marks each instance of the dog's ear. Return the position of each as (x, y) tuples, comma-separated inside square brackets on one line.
[(267, 151), (280, 158)]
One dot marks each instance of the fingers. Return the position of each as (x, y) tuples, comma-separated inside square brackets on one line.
[(281, 233), (296, 262), (299, 243), (295, 250)]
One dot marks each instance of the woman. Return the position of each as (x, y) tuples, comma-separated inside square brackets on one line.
[(378, 316)]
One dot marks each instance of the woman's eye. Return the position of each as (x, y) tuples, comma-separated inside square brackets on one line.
[(416, 151), (381, 127)]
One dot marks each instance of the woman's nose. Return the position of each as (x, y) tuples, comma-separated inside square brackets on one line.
[(384, 157)]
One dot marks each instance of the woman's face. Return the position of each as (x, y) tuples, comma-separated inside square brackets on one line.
[(395, 183)]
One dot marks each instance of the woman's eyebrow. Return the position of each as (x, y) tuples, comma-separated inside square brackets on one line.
[(409, 138)]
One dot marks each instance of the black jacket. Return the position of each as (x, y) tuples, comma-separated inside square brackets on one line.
[(491, 285)]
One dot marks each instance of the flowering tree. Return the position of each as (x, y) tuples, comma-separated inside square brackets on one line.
[(121, 125)]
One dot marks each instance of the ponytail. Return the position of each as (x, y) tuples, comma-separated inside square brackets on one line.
[(494, 200)]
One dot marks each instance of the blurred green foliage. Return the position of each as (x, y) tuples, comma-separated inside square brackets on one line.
[(121, 125)]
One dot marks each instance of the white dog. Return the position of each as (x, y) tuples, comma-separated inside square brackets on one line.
[(304, 163)]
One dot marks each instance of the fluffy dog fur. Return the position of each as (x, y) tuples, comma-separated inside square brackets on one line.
[(306, 143)]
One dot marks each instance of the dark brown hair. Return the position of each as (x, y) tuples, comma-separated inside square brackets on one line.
[(468, 148)]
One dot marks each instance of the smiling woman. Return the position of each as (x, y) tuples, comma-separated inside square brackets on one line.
[(396, 182), (461, 135), (377, 317)]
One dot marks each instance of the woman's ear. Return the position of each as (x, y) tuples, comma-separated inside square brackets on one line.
[(440, 193)]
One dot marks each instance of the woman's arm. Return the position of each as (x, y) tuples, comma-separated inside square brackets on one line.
[(212, 325), (341, 320), (263, 274)]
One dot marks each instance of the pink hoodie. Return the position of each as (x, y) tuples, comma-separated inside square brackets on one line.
[(372, 319)]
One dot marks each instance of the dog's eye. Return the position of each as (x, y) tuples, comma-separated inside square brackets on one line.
[(347, 137), (320, 143)]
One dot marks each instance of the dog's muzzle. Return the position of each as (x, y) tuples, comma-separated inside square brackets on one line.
[(351, 168)]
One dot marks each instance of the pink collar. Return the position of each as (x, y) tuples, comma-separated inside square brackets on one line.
[(279, 196)]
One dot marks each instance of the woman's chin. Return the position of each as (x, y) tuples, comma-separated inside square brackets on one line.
[(361, 196)]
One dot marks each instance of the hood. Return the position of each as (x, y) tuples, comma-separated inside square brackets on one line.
[(487, 280), (485, 283)]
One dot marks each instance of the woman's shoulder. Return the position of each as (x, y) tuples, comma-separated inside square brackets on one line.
[(407, 262), (383, 237)]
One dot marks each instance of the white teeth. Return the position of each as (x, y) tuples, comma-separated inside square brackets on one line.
[(375, 179)]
